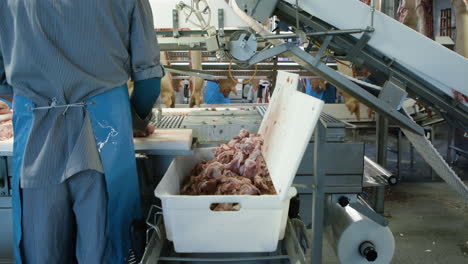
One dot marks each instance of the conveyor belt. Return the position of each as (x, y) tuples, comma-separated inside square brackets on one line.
[(329, 119), (391, 50), (332, 121), (438, 164), (262, 110), (170, 122)]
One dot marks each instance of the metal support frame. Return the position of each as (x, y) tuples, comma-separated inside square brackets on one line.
[(400, 154), (316, 66), (318, 195), (450, 137), (316, 34), (382, 142), (353, 55), (417, 87), (362, 208), (323, 48)]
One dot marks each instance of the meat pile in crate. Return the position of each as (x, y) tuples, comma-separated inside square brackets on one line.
[(238, 168), (6, 125)]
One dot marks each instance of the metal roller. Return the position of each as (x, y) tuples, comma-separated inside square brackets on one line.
[(357, 239), (378, 173)]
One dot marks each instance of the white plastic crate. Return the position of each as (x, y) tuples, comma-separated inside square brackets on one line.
[(193, 227), (286, 128)]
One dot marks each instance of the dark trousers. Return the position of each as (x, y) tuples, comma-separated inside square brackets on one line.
[(66, 223)]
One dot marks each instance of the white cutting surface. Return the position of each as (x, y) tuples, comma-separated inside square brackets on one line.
[(162, 139), (434, 62), (170, 140), (287, 127)]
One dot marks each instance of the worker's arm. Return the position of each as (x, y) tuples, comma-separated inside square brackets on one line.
[(146, 67), (145, 93), (6, 92)]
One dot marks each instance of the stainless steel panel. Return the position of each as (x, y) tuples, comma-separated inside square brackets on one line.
[(341, 158), (241, 111), (333, 183), (220, 128), (6, 231)]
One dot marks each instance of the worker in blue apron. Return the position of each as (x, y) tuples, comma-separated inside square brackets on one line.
[(213, 94), (75, 185), (328, 95)]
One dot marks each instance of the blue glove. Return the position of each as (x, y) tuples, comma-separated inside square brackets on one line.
[(144, 95)]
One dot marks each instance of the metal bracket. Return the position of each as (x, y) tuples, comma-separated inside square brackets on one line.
[(323, 48), (393, 93), (362, 42), (175, 23), (221, 22), (365, 210), (269, 53)]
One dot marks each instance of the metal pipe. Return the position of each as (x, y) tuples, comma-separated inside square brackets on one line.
[(315, 34), (318, 195), (194, 73), (188, 259), (382, 141), (375, 170)]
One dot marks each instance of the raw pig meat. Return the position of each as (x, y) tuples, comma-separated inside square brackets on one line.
[(6, 130), (238, 168), (167, 83), (6, 125)]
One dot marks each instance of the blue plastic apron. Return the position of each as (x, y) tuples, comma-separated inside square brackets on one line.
[(112, 126)]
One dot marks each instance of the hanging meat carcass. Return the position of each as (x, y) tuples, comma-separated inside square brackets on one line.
[(417, 14), (226, 86), (167, 84), (196, 83)]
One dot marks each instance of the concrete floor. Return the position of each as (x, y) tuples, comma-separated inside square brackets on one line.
[(429, 223)]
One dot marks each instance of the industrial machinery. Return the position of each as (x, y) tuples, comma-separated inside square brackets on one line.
[(355, 32), (348, 30), (321, 188)]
